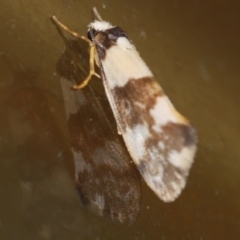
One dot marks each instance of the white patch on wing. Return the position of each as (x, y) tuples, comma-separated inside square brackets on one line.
[(140, 105), (100, 25), (153, 152), (163, 112), (128, 109), (80, 164), (161, 145), (152, 180), (122, 64), (135, 139), (174, 186), (124, 43), (183, 159), (100, 202)]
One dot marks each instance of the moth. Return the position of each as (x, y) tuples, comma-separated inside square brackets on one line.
[(161, 141)]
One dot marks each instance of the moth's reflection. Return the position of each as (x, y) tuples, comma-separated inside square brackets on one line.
[(106, 178)]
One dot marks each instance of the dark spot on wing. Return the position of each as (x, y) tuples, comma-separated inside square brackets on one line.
[(115, 33), (190, 135), (179, 135), (138, 96)]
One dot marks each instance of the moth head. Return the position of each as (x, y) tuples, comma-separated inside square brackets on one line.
[(104, 34)]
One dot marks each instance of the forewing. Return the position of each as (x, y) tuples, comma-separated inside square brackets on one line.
[(161, 141), (106, 178)]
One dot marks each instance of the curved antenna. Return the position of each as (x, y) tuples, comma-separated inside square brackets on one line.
[(96, 14)]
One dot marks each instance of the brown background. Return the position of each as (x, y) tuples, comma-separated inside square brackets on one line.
[(192, 47)]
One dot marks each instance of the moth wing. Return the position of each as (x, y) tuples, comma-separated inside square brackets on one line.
[(160, 140), (107, 181)]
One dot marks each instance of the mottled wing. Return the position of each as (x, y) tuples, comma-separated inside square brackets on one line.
[(106, 178), (161, 142)]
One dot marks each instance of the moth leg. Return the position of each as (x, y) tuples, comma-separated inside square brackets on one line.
[(92, 53), (91, 71)]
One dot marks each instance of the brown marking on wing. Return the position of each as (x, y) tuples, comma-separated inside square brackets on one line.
[(137, 97)]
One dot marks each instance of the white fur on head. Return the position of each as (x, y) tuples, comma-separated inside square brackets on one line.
[(100, 25)]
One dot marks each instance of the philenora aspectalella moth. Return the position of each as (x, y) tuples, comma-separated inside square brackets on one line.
[(161, 142)]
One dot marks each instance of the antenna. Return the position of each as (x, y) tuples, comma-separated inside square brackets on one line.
[(96, 14)]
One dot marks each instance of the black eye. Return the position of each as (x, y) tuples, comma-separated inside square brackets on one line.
[(91, 34)]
